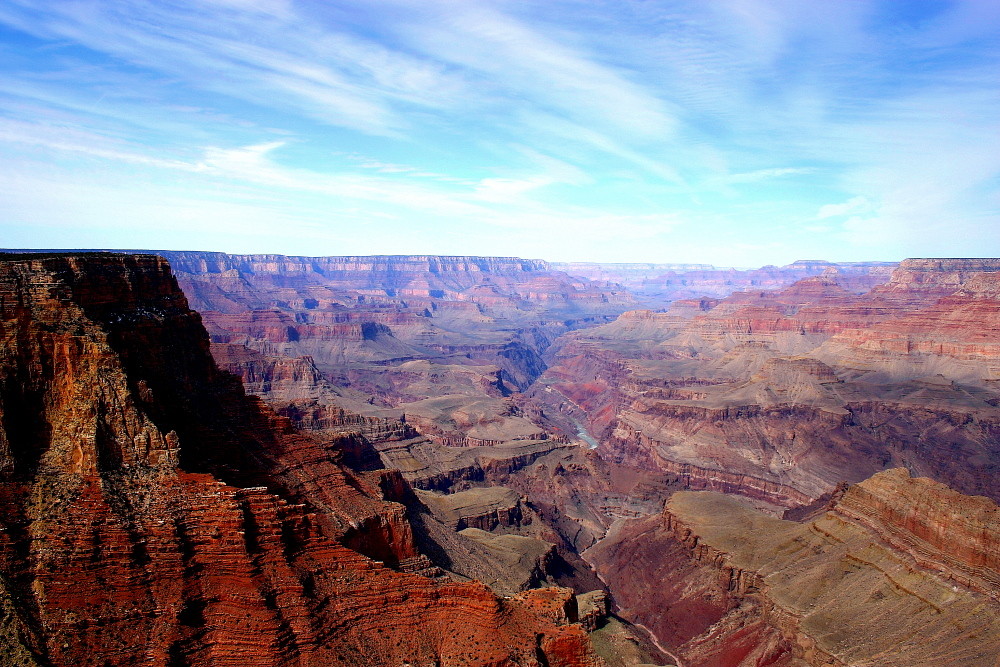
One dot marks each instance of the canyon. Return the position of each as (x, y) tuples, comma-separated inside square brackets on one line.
[(779, 395), (156, 514), (211, 458)]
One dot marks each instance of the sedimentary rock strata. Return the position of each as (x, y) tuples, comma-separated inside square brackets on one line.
[(871, 581), (496, 310), (153, 514), (399, 465), (780, 395), (393, 346)]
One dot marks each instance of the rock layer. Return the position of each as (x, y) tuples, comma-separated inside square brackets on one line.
[(153, 514), (497, 310), (872, 581), (780, 395)]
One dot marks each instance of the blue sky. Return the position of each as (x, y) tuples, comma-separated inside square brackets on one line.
[(735, 132)]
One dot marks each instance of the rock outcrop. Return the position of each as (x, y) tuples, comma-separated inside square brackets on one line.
[(391, 347), (941, 530), (154, 514), (899, 570), (779, 395)]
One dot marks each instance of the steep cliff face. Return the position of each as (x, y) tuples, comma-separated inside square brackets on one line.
[(955, 535), (948, 324), (401, 347), (779, 395), (940, 274), (899, 571), (295, 388), (376, 271), (153, 514)]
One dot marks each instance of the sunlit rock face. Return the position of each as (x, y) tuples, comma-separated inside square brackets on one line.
[(445, 416), (493, 310), (776, 394), (896, 570), (154, 514), (780, 395)]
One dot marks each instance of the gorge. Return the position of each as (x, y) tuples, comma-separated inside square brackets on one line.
[(258, 459)]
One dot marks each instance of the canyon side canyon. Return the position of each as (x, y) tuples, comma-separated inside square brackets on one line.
[(218, 459)]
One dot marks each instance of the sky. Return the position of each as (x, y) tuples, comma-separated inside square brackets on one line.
[(731, 132)]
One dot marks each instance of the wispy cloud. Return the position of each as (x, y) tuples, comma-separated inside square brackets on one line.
[(72, 140), (551, 75), (845, 128), (279, 59), (853, 206)]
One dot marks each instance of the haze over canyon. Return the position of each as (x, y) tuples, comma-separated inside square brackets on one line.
[(222, 459)]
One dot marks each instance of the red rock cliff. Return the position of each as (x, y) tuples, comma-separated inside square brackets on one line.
[(153, 514)]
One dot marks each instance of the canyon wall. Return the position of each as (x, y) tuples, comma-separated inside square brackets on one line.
[(154, 514), (780, 395), (422, 357), (886, 576), (437, 342)]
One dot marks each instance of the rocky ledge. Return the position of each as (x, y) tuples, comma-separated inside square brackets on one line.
[(151, 513), (898, 571)]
